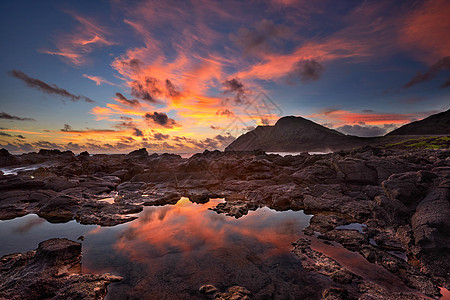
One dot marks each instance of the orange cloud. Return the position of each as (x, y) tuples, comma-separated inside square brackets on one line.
[(98, 80), (74, 46), (185, 226)]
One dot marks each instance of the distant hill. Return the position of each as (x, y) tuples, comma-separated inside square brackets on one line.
[(293, 134), (437, 124), (296, 134)]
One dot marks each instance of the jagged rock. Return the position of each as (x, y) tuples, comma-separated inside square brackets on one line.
[(335, 294), (59, 209), (431, 222), (404, 187), (208, 289), (53, 270), (234, 293), (355, 171), (318, 262)]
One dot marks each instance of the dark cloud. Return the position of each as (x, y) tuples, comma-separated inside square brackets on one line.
[(166, 145), (122, 125), (152, 89), (160, 136), (9, 135), (149, 91), (46, 88), (127, 123), (150, 145), (46, 145), (431, 73), (236, 87), (218, 142), (446, 84), (68, 128), (137, 132), (262, 38), (265, 121), (5, 134), (367, 111), (305, 70), (135, 63), (171, 89), (127, 139), (363, 131), (10, 147), (124, 100), (160, 119), (215, 127), (6, 116), (179, 138), (72, 146), (225, 112)]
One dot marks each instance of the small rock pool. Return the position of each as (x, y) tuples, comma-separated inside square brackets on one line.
[(172, 250)]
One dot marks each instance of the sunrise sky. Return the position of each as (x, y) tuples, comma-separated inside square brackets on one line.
[(184, 76)]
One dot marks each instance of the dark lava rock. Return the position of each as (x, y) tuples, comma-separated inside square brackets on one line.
[(234, 293), (59, 209), (431, 222), (404, 187), (53, 271), (335, 294), (208, 289), (6, 158), (356, 171), (141, 152), (84, 154), (315, 261)]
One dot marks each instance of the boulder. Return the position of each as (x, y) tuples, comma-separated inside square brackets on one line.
[(53, 271), (355, 171), (404, 187), (59, 209)]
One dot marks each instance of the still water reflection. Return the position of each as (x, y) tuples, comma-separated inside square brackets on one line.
[(170, 251)]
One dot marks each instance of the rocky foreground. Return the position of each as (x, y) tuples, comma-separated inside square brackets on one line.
[(52, 271), (401, 200)]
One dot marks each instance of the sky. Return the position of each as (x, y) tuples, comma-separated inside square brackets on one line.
[(184, 76)]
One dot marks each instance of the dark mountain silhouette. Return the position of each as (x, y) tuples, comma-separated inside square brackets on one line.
[(433, 125), (295, 134)]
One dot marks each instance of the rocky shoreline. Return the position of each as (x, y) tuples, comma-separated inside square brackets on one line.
[(52, 271), (398, 198)]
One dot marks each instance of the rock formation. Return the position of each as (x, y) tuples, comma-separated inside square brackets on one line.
[(52, 271)]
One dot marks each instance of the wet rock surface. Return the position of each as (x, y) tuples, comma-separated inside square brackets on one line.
[(401, 197), (52, 271)]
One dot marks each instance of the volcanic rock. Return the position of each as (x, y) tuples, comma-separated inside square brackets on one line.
[(53, 270)]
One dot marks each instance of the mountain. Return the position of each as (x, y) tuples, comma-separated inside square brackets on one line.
[(294, 134), (433, 125)]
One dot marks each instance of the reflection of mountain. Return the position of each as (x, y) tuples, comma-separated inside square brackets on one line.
[(294, 134)]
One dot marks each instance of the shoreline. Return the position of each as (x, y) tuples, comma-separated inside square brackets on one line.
[(400, 196)]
